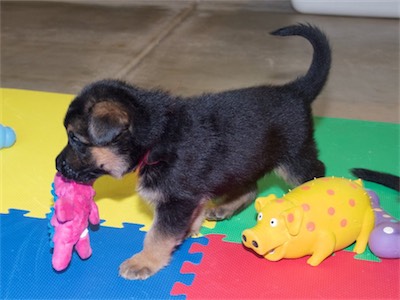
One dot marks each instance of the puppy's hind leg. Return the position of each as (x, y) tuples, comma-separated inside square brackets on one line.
[(296, 171), (171, 225), (231, 203)]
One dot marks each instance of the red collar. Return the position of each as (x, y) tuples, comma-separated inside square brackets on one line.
[(145, 161)]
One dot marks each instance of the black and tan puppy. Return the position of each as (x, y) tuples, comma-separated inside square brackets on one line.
[(191, 151)]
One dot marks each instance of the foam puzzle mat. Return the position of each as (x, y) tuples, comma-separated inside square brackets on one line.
[(212, 266)]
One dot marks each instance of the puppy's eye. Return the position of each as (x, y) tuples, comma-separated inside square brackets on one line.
[(73, 138), (76, 142)]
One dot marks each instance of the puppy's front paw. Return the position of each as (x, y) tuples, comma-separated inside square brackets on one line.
[(137, 268)]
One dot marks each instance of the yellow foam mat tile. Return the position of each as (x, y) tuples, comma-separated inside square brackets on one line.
[(27, 168)]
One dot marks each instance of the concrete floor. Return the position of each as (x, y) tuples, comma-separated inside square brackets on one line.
[(190, 47)]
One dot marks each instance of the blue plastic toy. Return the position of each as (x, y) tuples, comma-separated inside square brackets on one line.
[(7, 137)]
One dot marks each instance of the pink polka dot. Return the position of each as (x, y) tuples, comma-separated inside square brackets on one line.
[(325, 178), (280, 200), (343, 223), (331, 211), (310, 226), (305, 188), (352, 202), (354, 186), (290, 218), (330, 192), (305, 207)]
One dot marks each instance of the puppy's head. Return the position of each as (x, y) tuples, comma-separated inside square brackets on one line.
[(99, 124)]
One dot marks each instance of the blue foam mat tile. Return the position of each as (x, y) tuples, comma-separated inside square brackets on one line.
[(195, 259), (26, 271)]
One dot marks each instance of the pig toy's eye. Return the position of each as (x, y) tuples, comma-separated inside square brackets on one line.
[(273, 222), (260, 216)]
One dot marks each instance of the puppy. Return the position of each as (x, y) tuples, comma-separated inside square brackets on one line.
[(190, 151)]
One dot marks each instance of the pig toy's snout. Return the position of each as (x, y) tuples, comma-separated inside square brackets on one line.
[(249, 239), (255, 244), (244, 238)]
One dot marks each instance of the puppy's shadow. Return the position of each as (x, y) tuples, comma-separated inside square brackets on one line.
[(116, 189)]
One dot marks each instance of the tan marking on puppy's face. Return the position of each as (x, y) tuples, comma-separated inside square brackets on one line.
[(107, 120), (109, 161), (70, 127), (108, 108)]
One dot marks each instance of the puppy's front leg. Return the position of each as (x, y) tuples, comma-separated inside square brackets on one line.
[(155, 255), (171, 225)]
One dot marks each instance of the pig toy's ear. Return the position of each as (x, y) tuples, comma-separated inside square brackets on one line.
[(293, 219), (262, 201)]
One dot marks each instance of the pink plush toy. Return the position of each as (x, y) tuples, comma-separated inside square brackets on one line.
[(73, 209)]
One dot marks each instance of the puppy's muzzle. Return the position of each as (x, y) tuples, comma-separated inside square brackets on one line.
[(84, 174), (63, 167)]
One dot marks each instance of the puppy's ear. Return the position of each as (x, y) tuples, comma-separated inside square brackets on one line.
[(107, 120)]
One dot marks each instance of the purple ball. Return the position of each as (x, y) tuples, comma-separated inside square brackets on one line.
[(384, 240)]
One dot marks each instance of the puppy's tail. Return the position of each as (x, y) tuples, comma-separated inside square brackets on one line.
[(311, 84), (389, 180)]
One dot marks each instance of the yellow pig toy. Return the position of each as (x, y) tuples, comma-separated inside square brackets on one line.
[(317, 218)]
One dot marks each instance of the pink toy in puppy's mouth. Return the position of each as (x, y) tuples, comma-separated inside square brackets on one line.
[(74, 208)]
